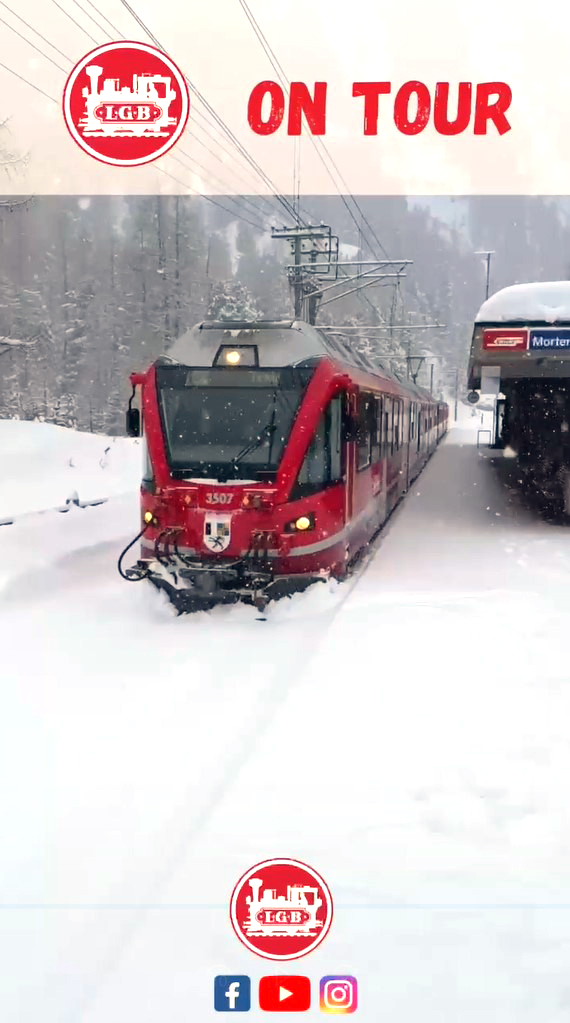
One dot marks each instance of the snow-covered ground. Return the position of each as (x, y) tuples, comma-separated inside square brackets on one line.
[(405, 733)]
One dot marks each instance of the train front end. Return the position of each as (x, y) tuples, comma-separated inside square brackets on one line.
[(230, 426)]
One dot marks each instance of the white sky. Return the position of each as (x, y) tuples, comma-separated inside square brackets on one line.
[(340, 43)]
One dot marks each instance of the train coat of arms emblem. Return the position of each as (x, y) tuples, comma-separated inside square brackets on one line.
[(217, 532)]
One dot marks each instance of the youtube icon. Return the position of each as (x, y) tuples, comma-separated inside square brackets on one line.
[(285, 994)]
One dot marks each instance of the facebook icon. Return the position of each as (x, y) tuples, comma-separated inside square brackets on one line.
[(232, 994)]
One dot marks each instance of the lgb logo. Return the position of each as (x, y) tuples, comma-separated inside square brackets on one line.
[(268, 917), (126, 103), (281, 909), (114, 118)]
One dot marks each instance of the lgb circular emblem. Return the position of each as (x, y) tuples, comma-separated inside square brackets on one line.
[(281, 909), (126, 103)]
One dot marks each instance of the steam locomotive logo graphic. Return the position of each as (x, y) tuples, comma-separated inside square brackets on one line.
[(217, 532), (292, 913), (116, 110), (281, 909), (126, 103)]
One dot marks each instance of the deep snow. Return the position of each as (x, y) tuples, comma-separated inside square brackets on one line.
[(545, 300), (405, 733)]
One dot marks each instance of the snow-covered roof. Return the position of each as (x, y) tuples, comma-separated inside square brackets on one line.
[(545, 301)]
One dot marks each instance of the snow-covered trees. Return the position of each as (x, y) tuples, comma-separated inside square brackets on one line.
[(232, 301), (93, 288), (10, 164), (100, 284)]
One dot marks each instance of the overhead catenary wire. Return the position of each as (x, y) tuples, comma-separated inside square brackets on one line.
[(231, 212), (35, 30), (210, 199), (104, 16), (263, 198), (71, 18), (230, 198), (202, 117), (95, 22), (299, 174), (206, 198), (236, 201), (27, 81), (297, 141), (285, 82), (283, 201), (197, 114), (33, 45), (364, 298)]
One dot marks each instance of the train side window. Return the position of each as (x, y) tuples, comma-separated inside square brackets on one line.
[(322, 464), (380, 426), (147, 475), (376, 428), (147, 470), (402, 424), (388, 432), (334, 428), (366, 426), (396, 425), (412, 420)]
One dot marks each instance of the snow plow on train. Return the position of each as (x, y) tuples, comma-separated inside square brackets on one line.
[(273, 454)]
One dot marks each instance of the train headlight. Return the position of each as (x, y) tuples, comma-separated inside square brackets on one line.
[(236, 355), (301, 525), (150, 518)]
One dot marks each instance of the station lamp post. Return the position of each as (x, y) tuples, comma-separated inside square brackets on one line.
[(488, 253)]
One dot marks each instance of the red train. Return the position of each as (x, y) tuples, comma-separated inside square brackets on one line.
[(273, 453)]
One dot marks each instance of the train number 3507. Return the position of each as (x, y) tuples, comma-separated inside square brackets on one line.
[(219, 498)]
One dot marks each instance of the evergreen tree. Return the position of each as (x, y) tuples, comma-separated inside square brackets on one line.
[(232, 301)]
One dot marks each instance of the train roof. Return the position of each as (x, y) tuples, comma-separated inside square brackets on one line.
[(286, 342), (539, 302)]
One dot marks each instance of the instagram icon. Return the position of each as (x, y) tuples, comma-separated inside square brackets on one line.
[(338, 994)]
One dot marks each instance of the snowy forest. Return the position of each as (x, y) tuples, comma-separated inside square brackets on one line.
[(94, 288)]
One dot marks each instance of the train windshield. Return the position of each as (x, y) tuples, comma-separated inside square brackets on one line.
[(228, 424)]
